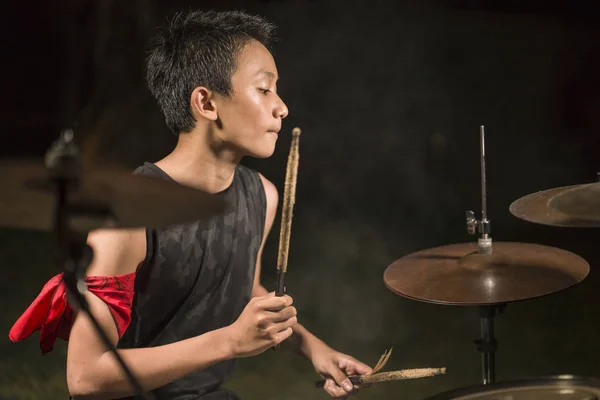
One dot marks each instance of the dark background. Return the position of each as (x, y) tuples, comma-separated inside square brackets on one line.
[(389, 96)]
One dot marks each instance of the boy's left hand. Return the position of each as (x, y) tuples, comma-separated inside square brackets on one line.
[(335, 368)]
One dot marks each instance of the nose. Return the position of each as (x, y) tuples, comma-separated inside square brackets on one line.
[(280, 110)]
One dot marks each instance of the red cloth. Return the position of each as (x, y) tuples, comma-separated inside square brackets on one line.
[(51, 313)]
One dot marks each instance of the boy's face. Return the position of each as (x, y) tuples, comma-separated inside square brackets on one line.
[(251, 117)]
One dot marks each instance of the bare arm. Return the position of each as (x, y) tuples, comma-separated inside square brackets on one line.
[(93, 372), (330, 364)]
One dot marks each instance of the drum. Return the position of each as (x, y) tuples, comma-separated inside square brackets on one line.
[(561, 387)]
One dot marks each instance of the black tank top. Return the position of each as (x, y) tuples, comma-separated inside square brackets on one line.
[(197, 277)]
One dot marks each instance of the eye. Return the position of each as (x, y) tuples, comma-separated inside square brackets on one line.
[(264, 91)]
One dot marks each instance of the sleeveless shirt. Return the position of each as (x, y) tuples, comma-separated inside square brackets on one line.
[(198, 277)]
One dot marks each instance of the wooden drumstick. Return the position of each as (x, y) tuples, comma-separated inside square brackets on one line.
[(289, 198), (402, 374)]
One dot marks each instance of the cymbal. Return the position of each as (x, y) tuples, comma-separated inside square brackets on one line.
[(106, 197), (582, 202), (568, 206), (458, 275)]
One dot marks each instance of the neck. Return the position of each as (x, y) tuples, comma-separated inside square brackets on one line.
[(201, 162)]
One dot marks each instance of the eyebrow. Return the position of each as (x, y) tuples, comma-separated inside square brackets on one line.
[(267, 73)]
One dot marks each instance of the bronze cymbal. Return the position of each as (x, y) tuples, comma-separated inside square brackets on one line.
[(582, 202), (569, 206), (107, 197), (458, 275)]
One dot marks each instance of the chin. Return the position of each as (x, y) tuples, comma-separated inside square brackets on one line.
[(263, 154), (260, 148), (264, 151)]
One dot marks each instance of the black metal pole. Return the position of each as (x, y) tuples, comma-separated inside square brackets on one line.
[(487, 344), (488, 357)]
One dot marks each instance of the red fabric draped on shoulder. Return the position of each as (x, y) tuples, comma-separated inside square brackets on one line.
[(51, 314)]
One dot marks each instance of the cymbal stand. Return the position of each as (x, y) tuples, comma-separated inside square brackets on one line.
[(63, 162), (487, 344), (483, 226)]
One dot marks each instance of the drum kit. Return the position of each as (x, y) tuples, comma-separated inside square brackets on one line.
[(489, 275), (63, 196)]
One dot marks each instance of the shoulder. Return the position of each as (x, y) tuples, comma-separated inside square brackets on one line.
[(261, 184), (116, 251), (271, 193)]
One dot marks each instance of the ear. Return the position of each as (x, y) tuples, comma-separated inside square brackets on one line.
[(203, 103)]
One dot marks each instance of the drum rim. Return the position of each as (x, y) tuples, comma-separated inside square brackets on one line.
[(523, 382)]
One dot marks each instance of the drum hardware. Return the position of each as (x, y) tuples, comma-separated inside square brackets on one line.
[(485, 275)]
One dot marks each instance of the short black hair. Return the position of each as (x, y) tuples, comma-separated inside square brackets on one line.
[(198, 48)]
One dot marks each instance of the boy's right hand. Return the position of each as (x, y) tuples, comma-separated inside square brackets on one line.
[(265, 322)]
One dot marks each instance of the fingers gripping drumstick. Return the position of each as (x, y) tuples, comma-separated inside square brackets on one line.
[(414, 373), (289, 198), (402, 374)]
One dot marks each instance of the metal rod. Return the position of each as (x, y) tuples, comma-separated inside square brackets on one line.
[(487, 357), (483, 181), (487, 343)]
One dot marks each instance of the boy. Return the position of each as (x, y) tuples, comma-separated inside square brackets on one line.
[(198, 301)]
